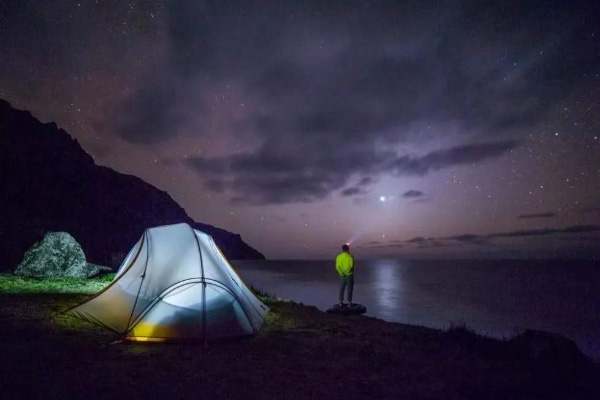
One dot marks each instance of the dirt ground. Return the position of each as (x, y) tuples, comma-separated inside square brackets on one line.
[(300, 353)]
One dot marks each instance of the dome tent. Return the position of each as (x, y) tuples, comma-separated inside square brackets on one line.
[(175, 284)]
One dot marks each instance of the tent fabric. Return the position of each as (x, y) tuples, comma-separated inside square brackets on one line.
[(175, 283)]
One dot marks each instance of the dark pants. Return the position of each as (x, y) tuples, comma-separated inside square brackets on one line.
[(346, 281)]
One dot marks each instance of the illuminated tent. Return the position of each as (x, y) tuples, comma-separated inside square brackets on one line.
[(175, 284)]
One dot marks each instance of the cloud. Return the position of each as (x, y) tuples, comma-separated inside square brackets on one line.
[(469, 238), (427, 243), (218, 186), (410, 165), (379, 245), (390, 246), (483, 240), (208, 167), (317, 78), (351, 73), (412, 194), (366, 181), (353, 191), (151, 115), (544, 232), (486, 239), (278, 174), (540, 215), (360, 189), (418, 239)]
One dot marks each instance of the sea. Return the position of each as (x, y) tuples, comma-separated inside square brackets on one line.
[(496, 298)]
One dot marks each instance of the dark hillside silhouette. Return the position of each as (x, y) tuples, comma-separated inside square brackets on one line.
[(49, 183)]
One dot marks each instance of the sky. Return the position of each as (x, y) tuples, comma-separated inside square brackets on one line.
[(411, 129)]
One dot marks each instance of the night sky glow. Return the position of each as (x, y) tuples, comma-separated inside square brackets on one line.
[(418, 129)]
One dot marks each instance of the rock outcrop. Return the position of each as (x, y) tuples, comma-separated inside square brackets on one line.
[(57, 255), (49, 183), (548, 348)]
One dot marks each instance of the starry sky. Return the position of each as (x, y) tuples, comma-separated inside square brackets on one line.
[(412, 129)]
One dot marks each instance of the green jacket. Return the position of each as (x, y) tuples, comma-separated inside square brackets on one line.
[(344, 264)]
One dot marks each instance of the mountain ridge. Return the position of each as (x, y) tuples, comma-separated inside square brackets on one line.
[(49, 183)]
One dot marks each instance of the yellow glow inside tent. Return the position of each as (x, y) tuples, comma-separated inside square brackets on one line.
[(145, 339), (148, 330)]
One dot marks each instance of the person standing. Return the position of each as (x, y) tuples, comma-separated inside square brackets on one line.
[(344, 265)]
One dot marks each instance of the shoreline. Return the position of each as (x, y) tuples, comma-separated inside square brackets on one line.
[(300, 352), (496, 300)]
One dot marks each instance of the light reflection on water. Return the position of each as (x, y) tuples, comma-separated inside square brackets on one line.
[(388, 287), (496, 298)]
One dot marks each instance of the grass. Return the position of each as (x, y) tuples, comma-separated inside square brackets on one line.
[(10, 283), (14, 284), (300, 352), (262, 295), (18, 284)]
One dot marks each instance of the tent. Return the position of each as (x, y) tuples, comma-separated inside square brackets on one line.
[(175, 284)]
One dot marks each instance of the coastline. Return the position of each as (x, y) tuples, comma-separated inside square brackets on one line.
[(300, 352), (498, 299)]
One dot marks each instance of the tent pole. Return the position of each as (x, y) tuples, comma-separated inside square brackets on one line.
[(203, 287), (141, 282)]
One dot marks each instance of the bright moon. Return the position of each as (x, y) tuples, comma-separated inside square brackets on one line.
[(382, 198)]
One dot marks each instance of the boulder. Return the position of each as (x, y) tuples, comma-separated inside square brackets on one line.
[(347, 309), (102, 270), (57, 255), (547, 348)]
